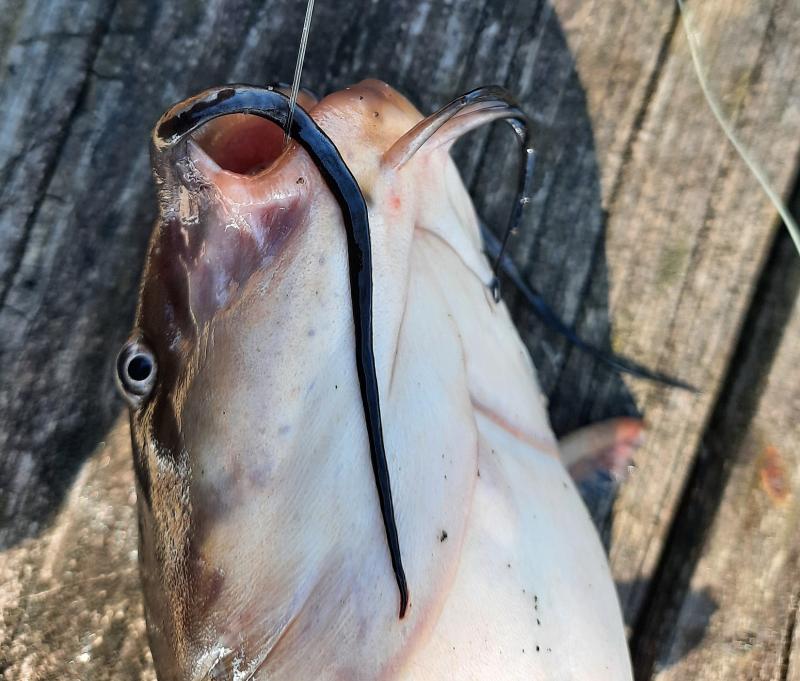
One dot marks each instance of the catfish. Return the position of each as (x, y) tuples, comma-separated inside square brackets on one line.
[(344, 465)]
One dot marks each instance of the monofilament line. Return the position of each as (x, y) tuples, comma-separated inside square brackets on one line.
[(727, 128), (298, 69)]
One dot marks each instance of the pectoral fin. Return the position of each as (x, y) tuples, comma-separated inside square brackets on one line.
[(607, 446)]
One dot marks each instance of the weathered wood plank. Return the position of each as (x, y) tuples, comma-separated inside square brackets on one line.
[(585, 104), (623, 131), (45, 52), (687, 235), (619, 56), (746, 492)]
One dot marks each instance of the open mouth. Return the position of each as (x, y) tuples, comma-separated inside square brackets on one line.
[(244, 144)]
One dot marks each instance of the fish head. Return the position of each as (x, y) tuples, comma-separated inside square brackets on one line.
[(262, 548)]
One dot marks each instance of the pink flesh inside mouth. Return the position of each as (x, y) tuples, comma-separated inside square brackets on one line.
[(243, 144)]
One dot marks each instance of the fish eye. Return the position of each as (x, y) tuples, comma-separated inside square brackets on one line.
[(136, 372)]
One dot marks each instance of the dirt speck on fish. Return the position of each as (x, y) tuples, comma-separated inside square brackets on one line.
[(265, 551)]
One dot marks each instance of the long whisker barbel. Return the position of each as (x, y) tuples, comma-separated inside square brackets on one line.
[(470, 110), (170, 137)]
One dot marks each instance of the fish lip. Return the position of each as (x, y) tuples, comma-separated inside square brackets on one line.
[(201, 153), (181, 118), (169, 153)]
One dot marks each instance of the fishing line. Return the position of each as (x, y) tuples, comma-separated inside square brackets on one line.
[(727, 128), (298, 70)]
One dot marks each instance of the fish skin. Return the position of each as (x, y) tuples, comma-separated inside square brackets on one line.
[(262, 548)]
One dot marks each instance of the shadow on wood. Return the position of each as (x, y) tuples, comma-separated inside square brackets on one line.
[(70, 294)]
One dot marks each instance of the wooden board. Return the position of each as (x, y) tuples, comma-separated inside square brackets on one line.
[(727, 608), (687, 237), (645, 229)]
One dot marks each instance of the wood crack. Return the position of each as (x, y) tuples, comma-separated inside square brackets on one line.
[(791, 624), (664, 53)]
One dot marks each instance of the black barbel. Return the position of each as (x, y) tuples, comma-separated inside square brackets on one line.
[(490, 102), (171, 133)]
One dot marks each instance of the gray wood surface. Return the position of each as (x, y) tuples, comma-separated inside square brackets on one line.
[(646, 231), (727, 599), (686, 239)]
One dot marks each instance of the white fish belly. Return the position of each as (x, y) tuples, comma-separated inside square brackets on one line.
[(533, 597)]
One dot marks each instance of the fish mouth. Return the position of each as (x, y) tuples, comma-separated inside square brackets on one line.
[(233, 197), (240, 143), (247, 144)]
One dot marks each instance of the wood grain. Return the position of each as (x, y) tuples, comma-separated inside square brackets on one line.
[(46, 52), (727, 601), (646, 230), (687, 237)]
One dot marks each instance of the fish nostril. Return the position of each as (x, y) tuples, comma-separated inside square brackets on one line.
[(244, 144)]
